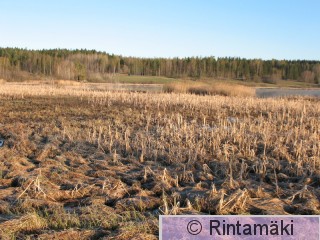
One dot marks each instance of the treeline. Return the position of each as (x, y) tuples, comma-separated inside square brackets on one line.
[(91, 65)]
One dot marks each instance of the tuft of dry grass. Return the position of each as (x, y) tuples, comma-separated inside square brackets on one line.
[(232, 90), (202, 88), (176, 87), (66, 83), (27, 223)]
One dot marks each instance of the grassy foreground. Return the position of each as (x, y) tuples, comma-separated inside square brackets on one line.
[(84, 164)]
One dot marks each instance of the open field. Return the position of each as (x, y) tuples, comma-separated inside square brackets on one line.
[(137, 79), (85, 163)]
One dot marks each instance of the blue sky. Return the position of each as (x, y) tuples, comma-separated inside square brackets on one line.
[(280, 29)]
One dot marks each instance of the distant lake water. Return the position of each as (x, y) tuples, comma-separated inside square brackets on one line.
[(280, 92)]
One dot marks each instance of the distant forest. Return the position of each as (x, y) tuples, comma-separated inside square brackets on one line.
[(22, 64)]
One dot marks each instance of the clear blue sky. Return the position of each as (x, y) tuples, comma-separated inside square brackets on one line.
[(280, 29)]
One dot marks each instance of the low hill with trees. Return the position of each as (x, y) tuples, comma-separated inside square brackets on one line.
[(21, 64)]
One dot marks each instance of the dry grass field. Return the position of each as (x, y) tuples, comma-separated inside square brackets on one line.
[(85, 164)]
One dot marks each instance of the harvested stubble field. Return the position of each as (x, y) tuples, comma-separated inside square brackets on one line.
[(80, 164)]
